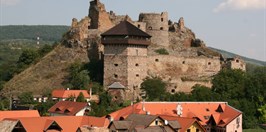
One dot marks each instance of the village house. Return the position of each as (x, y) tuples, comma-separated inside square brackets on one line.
[(69, 108), (187, 124), (54, 124), (62, 94), (213, 116), (18, 113), (143, 122)]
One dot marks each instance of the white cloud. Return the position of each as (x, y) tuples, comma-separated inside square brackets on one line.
[(9, 2), (241, 5)]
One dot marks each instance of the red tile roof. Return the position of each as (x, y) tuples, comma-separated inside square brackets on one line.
[(67, 107), (35, 124), (72, 123), (67, 123), (201, 110), (18, 113), (61, 93)]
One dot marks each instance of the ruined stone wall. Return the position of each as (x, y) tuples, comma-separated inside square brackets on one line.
[(100, 19), (236, 63), (182, 73), (156, 26), (185, 86), (140, 25), (181, 66)]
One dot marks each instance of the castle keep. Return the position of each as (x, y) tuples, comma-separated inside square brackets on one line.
[(125, 56), (129, 51)]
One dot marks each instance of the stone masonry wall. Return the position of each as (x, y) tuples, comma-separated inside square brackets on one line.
[(137, 71), (182, 73), (140, 25), (100, 19), (181, 66), (156, 26), (237, 63), (115, 70)]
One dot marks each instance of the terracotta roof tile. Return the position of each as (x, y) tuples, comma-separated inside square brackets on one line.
[(35, 124), (67, 123), (18, 113), (67, 107), (61, 93), (200, 110)]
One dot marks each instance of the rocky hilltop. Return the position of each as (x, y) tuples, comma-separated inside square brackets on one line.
[(186, 60)]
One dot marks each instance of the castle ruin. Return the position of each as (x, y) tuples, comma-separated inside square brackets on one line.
[(128, 49)]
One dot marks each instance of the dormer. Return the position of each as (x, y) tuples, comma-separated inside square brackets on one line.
[(219, 109)]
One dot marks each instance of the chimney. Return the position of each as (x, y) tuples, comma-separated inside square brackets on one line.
[(165, 122), (143, 105), (179, 110), (148, 113), (90, 92)]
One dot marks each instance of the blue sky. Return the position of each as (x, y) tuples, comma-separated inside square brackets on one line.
[(237, 26)]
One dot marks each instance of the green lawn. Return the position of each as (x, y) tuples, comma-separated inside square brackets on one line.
[(254, 130)]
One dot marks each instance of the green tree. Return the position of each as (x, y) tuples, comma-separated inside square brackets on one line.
[(78, 77), (1, 85), (26, 98), (27, 57), (81, 80), (45, 49), (97, 88), (154, 87), (45, 106), (230, 84), (203, 93), (81, 98), (70, 98), (95, 68), (180, 96), (262, 114)]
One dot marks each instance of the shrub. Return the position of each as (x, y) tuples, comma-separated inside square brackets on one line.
[(162, 51)]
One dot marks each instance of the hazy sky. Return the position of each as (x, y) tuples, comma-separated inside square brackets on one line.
[(237, 26)]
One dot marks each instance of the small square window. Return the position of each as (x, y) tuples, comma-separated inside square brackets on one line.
[(157, 60), (136, 64), (115, 75), (137, 75), (116, 64)]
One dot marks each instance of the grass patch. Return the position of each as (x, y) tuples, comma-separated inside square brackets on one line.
[(162, 51), (254, 130)]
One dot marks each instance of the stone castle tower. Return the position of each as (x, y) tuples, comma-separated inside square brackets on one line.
[(157, 27), (125, 59)]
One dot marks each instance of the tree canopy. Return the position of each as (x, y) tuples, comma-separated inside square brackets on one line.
[(154, 87)]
